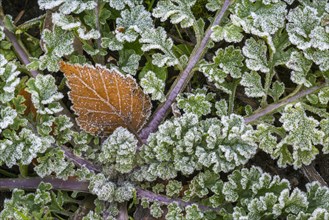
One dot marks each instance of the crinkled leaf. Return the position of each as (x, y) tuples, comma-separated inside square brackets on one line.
[(156, 39), (128, 61), (119, 149), (277, 90), (44, 94), (230, 33), (154, 86), (8, 79), (300, 66), (134, 21), (179, 11), (301, 22), (253, 84), (256, 52), (68, 6)]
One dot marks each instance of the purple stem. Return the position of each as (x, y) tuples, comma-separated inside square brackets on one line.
[(275, 106), (161, 113), (21, 53), (78, 161), (150, 196), (32, 183)]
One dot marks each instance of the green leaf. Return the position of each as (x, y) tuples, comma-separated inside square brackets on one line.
[(57, 44), (197, 103), (256, 52), (277, 90), (179, 11), (154, 86), (67, 7), (228, 61), (120, 4), (214, 5), (222, 108), (8, 79), (119, 149), (54, 162), (301, 22), (253, 84), (302, 134), (259, 18), (319, 57), (300, 66), (128, 61), (229, 32), (156, 39), (161, 72), (135, 21), (44, 94)]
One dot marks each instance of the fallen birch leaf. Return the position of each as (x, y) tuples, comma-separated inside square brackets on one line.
[(105, 99)]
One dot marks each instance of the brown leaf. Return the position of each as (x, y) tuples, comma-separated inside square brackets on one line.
[(105, 100)]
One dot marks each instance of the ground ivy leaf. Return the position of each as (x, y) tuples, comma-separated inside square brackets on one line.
[(129, 61), (229, 32), (256, 52)]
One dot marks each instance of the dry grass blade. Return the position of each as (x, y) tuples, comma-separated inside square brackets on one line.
[(105, 99)]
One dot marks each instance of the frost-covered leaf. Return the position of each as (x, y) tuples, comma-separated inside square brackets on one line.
[(8, 79), (62, 129), (44, 94), (300, 66), (319, 57), (228, 61), (221, 107), (154, 86), (214, 5), (302, 135), (156, 39), (119, 149), (293, 202), (68, 6), (88, 35), (301, 23), (253, 84), (57, 44), (22, 147), (179, 11), (197, 103), (319, 5), (102, 187), (54, 162), (320, 38), (229, 32), (259, 18), (193, 213), (324, 124), (277, 90), (111, 42), (267, 141), (107, 100), (135, 21), (7, 117), (128, 61), (173, 188), (324, 96), (120, 4), (66, 22), (256, 52)]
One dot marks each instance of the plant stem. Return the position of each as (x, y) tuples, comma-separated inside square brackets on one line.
[(182, 80), (19, 49), (72, 184), (275, 106), (232, 97)]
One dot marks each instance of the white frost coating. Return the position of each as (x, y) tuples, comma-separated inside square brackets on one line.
[(300, 66), (49, 4), (320, 38), (92, 34), (179, 11), (7, 117), (301, 23), (153, 85), (256, 53), (64, 21)]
